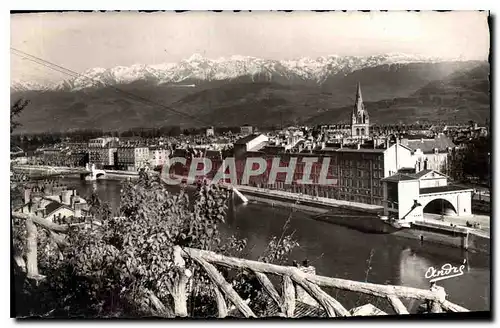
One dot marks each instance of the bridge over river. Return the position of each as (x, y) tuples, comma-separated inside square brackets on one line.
[(89, 172)]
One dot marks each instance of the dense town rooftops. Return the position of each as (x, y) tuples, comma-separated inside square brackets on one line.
[(353, 150), (442, 143)]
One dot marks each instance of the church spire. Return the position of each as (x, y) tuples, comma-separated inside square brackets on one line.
[(358, 105)]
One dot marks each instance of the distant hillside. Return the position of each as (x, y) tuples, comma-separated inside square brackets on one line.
[(417, 91), (461, 96), (396, 80)]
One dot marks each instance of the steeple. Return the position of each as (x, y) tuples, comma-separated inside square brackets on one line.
[(358, 105)]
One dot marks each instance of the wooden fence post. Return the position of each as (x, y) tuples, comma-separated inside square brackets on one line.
[(435, 305), (221, 303), (301, 294), (179, 284), (288, 296), (31, 249)]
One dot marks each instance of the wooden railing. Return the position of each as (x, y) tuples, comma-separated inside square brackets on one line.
[(292, 278), (311, 283)]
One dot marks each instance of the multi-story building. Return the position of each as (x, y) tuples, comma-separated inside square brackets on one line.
[(246, 129), (103, 157), (103, 151), (158, 156), (431, 153), (101, 142), (353, 174), (52, 156), (133, 158)]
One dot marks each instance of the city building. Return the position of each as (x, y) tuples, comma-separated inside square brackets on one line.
[(407, 196), (101, 142), (210, 132), (360, 121), (78, 158), (132, 158), (53, 202), (16, 151), (158, 156), (431, 153), (103, 151), (103, 157), (354, 174), (246, 129), (51, 156)]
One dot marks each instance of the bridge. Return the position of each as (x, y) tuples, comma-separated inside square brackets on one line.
[(454, 200), (89, 172)]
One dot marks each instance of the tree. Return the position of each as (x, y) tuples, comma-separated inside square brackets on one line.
[(127, 266), (15, 111), (473, 161)]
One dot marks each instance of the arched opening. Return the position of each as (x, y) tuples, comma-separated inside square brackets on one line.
[(98, 175), (362, 131), (357, 131), (440, 206), (363, 118)]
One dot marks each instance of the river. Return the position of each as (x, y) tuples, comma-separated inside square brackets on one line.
[(340, 252)]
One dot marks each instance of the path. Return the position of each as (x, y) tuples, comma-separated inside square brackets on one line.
[(483, 220)]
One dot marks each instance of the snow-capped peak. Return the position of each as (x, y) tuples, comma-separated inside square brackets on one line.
[(198, 67), (195, 57)]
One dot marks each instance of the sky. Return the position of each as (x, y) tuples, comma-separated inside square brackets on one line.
[(80, 41)]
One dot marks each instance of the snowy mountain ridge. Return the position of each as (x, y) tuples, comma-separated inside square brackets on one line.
[(197, 67)]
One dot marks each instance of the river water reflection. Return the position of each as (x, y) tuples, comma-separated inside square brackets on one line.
[(340, 252)]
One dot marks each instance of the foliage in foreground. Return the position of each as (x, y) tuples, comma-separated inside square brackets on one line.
[(113, 269)]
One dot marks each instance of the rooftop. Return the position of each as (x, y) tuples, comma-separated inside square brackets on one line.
[(54, 206), (443, 189), (247, 139), (441, 142), (399, 177), (420, 174), (355, 150)]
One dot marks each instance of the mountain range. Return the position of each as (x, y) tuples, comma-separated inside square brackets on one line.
[(237, 90)]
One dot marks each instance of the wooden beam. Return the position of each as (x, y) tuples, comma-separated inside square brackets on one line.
[(344, 284), (397, 305), (221, 303), (179, 282), (31, 249), (40, 221), (331, 305), (59, 239), (449, 306), (269, 288), (225, 287), (435, 305), (162, 310), (288, 297)]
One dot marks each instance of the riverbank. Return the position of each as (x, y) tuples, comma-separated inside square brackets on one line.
[(366, 218), (427, 231), (468, 239)]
